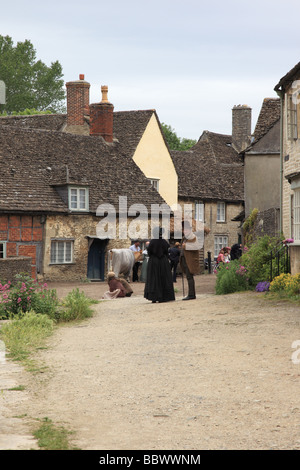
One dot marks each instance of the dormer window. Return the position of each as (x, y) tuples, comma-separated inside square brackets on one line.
[(78, 199)]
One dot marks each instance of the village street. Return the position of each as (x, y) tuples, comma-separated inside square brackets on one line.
[(212, 373)]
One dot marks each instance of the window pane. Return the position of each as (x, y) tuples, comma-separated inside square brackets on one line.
[(1, 250), (53, 252), (199, 211), (82, 198), (73, 198), (221, 212), (61, 251), (68, 253)]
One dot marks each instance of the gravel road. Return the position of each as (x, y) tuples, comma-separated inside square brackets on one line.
[(211, 373)]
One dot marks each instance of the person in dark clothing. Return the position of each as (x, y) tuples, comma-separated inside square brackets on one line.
[(236, 251), (159, 285), (174, 254)]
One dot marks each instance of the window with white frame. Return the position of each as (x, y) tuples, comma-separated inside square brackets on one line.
[(155, 183), (2, 249), (199, 211), (61, 251), (221, 212), (296, 216), (220, 242), (78, 199)]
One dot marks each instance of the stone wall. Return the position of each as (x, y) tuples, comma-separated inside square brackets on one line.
[(267, 223), (79, 229), (9, 267)]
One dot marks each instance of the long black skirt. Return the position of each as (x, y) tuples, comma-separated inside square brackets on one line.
[(159, 283)]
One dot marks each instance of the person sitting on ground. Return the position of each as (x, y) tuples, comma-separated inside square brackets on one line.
[(117, 287)]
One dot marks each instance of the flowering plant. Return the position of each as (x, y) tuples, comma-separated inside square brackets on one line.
[(26, 294), (288, 240), (286, 284), (262, 286), (241, 271)]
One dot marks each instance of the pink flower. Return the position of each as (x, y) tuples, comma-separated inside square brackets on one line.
[(19, 300)]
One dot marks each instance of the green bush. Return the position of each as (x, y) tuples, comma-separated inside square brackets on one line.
[(257, 259), (251, 269), (76, 306), (231, 277)]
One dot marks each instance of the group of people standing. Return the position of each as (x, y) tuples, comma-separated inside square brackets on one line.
[(159, 267)]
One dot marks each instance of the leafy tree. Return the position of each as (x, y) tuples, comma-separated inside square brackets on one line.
[(29, 82), (175, 142)]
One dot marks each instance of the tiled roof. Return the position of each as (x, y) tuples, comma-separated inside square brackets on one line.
[(33, 160), (211, 170), (288, 78), (51, 122), (128, 126), (268, 116)]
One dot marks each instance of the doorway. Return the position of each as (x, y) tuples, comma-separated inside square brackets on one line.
[(96, 259)]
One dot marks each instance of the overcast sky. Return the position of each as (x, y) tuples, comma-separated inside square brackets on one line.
[(190, 60)]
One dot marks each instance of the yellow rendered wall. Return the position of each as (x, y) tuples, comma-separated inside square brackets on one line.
[(153, 158)]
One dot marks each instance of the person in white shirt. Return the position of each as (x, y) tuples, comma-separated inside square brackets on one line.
[(135, 248)]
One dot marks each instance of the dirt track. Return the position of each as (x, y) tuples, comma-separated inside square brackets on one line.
[(212, 373)]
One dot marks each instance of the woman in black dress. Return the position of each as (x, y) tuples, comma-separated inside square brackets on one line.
[(159, 283)]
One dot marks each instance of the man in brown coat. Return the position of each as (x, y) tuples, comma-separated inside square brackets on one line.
[(189, 259)]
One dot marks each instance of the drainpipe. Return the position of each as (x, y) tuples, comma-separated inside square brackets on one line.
[(280, 93)]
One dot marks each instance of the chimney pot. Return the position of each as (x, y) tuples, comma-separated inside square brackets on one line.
[(104, 91), (81, 76), (101, 117)]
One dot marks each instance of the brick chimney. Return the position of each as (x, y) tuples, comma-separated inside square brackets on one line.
[(101, 117), (77, 101), (241, 127)]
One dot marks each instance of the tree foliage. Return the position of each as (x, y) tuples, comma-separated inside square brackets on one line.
[(29, 82), (175, 142)]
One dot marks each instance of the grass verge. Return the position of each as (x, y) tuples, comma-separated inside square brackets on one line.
[(52, 437), (24, 335)]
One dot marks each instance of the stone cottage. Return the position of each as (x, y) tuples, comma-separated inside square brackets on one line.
[(57, 170), (288, 89), (211, 178)]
